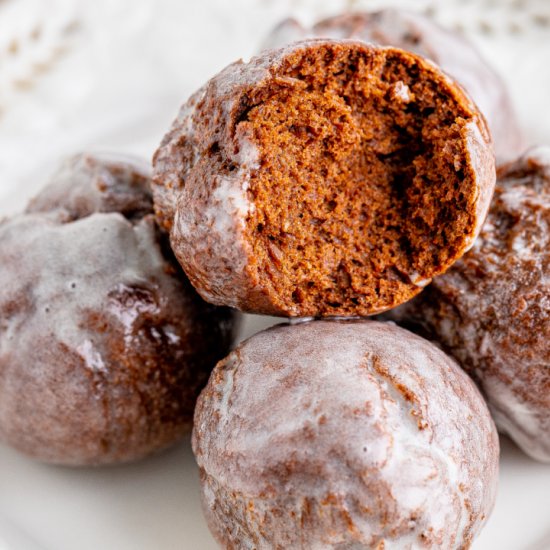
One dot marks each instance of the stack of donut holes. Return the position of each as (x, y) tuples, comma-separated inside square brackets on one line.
[(331, 178), (369, 165)]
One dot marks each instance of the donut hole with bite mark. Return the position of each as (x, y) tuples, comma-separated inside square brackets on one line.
[(365, 185)]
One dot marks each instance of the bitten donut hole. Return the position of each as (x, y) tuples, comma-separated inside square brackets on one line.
[(364, 186)]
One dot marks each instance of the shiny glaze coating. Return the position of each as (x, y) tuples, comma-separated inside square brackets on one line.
[(104, 345), (343, 434)]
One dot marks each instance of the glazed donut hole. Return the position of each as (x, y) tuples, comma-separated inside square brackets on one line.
[(329, 178), (104, 344), (343, 434), (87, 184)]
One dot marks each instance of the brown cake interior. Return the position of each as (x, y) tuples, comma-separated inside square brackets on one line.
[(364, 186)]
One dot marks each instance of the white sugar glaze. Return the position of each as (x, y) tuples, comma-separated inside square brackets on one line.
[(116, 251), (350, 413)]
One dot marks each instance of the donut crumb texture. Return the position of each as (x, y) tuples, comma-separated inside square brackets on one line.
[(363, 187)]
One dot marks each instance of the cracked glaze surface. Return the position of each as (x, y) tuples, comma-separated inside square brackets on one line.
[(344, 434)]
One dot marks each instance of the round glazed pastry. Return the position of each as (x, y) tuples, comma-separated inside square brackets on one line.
[(492, 310), (419, 34), (326, 178), (344, 434), (88, 184), (104, 345)]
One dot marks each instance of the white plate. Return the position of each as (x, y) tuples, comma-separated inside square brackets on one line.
[(154, 504), (110, 75)]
